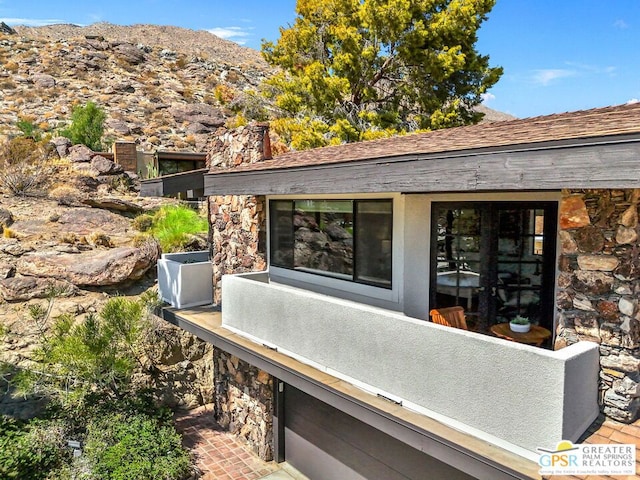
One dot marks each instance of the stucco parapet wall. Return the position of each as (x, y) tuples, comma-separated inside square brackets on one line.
[(516, 396)]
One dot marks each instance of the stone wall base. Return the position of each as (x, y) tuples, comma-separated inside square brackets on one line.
[(244, 402)]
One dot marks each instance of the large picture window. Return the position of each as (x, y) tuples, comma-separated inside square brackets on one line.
[(346, 239)]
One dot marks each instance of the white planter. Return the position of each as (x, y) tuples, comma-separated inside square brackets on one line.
[(518, 328), (185, 279)]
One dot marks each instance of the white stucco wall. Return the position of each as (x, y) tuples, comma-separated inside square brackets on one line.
[(525, 396)]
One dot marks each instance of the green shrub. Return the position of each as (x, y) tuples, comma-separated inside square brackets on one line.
[(29, 130), (96, 356), (87, 126), (31, 450), (174, 224), (135, 446)]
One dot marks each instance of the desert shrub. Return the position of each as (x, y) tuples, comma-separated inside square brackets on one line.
[(22, 166), (66, 195), (100, 239), (87, 126), (91, 358), (173, 226), (11, 66), (30, 450), (29, 130), (132, 446), (238, 121), (251, 105), (68, 237), (143, 222), (224, 94)]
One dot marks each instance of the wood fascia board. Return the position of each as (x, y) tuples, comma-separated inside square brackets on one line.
[(174, 183), (593, 165)]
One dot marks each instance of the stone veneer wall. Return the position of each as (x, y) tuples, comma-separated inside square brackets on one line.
[(244, 402), (237, 236), (598, 288), (244, 396), (247, 144)]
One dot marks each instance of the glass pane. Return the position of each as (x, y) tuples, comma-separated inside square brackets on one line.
[(519, 266), (281, 233), (374, 226), (323, 236), (458, 268)]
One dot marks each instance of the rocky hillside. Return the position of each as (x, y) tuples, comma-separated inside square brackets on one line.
[(163, 87), (79, 240)]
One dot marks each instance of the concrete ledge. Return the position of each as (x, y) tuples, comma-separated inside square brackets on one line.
[(520, 396)]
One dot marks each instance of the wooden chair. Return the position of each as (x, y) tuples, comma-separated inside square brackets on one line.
[(450, 317)]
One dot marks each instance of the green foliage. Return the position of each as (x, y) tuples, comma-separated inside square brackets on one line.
[(87, 126), (352, 68), (30, 450), (86, 365), (173, 225), (132, 446), (94, 356), (29, 130), (518, 320)]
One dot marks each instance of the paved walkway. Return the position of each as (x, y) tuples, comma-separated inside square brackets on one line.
[(223, 456), (607, 431)]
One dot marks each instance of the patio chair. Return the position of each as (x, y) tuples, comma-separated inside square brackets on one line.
[(450, 317)]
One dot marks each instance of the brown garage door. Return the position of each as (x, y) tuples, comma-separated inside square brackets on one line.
[(327, 444)]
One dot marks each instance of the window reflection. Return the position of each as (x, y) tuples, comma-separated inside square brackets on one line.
[(347, 239)]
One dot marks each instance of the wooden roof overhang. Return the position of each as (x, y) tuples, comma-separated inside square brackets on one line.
[(173, 184), (610, 161)]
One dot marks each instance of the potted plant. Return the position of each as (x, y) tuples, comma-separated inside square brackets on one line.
[(520, 324)]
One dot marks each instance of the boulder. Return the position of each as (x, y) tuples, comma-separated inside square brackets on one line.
[(201, 113), (119, 126), (80, 153), (6, 218), (89, 269), (105, 166), (85, 221), (6, 29), (42, 80), (6, 270), (110, 203), (62, 145), (20, 288), (130, 53)]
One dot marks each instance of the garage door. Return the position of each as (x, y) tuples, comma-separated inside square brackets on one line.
[(327, 444)]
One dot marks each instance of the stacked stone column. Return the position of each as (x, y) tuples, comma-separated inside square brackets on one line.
[(244, 396), (598, 288)]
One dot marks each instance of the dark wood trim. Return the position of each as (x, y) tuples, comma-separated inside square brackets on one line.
[(601, 165), (189, 156), (173, 184), (278, 421)]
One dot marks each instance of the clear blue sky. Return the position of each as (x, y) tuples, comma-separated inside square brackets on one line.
[(558, 55)]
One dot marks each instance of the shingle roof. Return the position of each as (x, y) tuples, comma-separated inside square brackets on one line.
[(599, 122)]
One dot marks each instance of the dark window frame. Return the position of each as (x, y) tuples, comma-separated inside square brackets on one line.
[(354, 214)]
